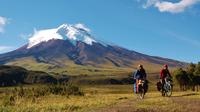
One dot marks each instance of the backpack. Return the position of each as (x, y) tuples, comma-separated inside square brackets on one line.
[(159, 85)]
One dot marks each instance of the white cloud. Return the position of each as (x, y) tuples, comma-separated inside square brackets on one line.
[(5, 49), (149, 3), (166, 6), (3, 22), (82, 26)]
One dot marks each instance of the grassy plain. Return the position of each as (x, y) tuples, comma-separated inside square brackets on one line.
[(99, 97), (103, 98)]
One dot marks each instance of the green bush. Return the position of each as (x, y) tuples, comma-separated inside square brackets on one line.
[(56, 89), (33, 93), (188, 78), (65, 89)]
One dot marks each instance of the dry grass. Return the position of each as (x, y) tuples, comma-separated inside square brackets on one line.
[(70, 68), (66, 104), (153, 102), (106, 98), (93, 98)]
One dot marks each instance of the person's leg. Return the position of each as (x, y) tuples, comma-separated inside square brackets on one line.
[(137, 88), (163, 83)]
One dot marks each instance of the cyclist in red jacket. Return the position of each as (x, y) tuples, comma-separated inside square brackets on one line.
[(164, 74)]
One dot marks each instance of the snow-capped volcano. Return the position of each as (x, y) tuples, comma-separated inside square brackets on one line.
[(74, 44), (74, 33)]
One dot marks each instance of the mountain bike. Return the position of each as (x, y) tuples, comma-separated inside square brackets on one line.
[(167, 87), (142, 88)]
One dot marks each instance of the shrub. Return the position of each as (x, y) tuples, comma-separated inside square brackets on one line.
[(189, 78), (56, 89), (65, 89)]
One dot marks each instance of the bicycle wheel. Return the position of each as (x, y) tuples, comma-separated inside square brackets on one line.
[(168, 91), (141, 92)]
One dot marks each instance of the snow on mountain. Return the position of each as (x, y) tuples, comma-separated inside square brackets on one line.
[(74, 43), (43, 36), (77, 32)]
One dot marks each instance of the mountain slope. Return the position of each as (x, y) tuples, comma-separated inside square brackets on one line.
[(13, 75), (74, 45)]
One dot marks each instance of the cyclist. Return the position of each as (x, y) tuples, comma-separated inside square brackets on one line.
[(139, 75), (163, 75)]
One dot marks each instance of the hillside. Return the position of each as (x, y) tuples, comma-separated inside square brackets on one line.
[(74, 46), (13, 75)]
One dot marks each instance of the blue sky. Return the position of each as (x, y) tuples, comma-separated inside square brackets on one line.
[(159, 28)]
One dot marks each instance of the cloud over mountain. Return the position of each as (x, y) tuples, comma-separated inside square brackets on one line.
[(3, 22), (5, 48), (172, 7)]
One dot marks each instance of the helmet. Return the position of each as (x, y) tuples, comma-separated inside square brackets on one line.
[(165, 65)]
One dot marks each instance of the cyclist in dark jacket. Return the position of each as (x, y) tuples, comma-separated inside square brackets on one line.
[(140, 74)]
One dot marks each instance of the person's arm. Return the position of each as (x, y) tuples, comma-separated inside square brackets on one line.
[(169, 74), (135, 74)]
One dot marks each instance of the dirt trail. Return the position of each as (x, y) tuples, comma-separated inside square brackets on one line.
[(127, 106), (186, 104)]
